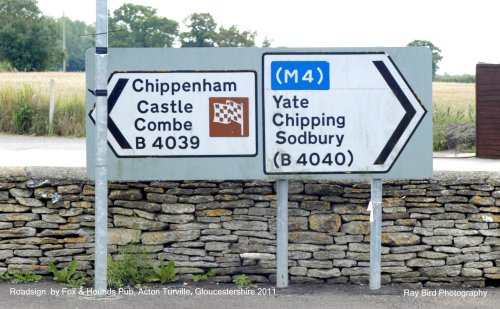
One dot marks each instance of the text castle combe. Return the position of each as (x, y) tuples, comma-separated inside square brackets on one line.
[(174, 107)]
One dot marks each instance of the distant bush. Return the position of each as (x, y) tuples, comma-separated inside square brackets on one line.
[(453, 129), (464, 78), (6, 66)]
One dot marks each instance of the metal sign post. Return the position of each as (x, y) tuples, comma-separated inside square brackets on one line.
[(101, 170), (375, 209), (282, 234)]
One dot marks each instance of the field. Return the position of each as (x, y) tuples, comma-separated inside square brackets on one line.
[(25, 97), (454, 115), (67, 83), (24, 101), (460, 97)]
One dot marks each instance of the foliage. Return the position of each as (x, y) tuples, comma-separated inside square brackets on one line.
[(69, 116), (445, 117), (24, 102), (27, 113), (436, 56), (203, 31), (453, 112), (68, 274), (139, 26), (267, 42), (164, 273), (27, 277), (464, 78), (6, 66), (209, 274), (30, 41), (130, 268), (243, 281), (79, 37), (23, 110), (231, 37), (16, 276), (5, 276), (27, 37)]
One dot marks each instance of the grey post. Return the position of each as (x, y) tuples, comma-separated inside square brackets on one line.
[(52, 104), (101, 169), (282, 234), (376, 234)]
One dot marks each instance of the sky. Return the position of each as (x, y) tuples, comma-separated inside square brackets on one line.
[(466, 31)]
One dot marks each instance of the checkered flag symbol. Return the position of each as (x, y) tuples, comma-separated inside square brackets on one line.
[(229, 112)]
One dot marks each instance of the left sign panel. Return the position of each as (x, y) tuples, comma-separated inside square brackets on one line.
[(182, 113)]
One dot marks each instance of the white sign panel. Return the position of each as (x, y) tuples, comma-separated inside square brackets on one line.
[(328, 113), (182, 113)]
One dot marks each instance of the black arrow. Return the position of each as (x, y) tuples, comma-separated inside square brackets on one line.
[(93, 106), (113, 128), (403, 124)]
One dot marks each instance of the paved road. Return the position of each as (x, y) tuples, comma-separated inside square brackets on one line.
[(70, 152), (296, 297), (23, 151)]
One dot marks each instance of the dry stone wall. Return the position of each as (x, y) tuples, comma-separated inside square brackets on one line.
[(435, 232)]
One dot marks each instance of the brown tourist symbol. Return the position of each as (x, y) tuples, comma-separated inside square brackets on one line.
[(228, 117)]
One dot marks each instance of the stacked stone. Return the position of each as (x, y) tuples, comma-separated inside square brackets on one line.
[(435, 232), (43, 221)]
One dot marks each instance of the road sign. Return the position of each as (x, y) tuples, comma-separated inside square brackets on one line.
[(163, 125), (328, 113), (182, 113)]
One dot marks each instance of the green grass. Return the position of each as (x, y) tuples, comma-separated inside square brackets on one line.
[(69, 117), (131, 267), (453, 104), (443, 118), (25, 100)]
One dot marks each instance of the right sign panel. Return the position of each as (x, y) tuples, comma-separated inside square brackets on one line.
[(335, 113)]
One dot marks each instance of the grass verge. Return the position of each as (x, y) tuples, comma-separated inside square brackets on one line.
[(453, 108), (25, 100)]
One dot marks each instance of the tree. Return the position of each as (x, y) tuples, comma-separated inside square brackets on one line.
[(27, 37), (79, 37), (138, 26), (202, 31), (436, 56), (267, 42), (231, 37)]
